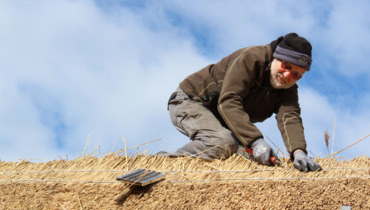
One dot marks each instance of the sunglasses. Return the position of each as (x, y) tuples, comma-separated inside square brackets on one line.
[(294, 73)]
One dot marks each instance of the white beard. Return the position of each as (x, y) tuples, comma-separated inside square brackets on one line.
[(275, 83)]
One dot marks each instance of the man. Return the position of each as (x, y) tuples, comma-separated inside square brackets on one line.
[(217, 106)]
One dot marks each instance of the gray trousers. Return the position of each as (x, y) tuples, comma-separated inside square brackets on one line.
[(210, 140)]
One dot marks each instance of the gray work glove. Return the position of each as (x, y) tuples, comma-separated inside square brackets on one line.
[(262, 152), (304, 163)]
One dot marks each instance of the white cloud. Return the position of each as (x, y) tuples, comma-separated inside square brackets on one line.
[(231, 25), (85, 75), (345, 37), (319, 114)]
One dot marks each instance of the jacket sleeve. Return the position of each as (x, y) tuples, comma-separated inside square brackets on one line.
[(290, 122), (239, 79)]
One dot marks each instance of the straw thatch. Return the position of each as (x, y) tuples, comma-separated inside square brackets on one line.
[(234, 183)]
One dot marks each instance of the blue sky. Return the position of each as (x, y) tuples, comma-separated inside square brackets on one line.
[(73, 71)]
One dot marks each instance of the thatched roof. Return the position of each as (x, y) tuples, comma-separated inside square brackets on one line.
[(236, 182)]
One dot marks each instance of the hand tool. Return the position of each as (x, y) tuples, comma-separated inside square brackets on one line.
[(139, 177), (274, 160)]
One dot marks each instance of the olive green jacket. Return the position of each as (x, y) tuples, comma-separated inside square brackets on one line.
[(237, 90)]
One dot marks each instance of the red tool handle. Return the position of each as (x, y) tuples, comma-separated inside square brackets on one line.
[(274, 160)]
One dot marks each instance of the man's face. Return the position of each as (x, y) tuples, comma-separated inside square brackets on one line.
[(284, 74)]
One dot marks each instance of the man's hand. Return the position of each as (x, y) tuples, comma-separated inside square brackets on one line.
[(304, 163), (262, 151)]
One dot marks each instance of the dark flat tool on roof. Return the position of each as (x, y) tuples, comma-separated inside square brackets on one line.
[(139, 177)]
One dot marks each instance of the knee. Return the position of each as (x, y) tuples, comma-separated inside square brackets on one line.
[(228, 144)]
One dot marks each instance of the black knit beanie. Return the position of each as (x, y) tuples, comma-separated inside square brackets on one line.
[(294, 49)]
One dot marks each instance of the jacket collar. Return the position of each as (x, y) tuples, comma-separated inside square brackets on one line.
[(269, 52)]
